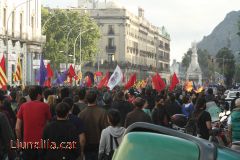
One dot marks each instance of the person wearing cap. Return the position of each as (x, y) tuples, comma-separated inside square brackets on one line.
[(137, 115), (234, 126)]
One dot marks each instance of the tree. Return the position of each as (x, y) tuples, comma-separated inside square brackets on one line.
[(186, 59), (226, 63), (56, 28), (205, 63)]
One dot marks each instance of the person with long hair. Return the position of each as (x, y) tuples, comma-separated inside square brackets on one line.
[(204, 125), (51, 101)]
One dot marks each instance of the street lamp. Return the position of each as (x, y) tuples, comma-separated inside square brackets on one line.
[(74, 55), (68, 34), (6, 31)]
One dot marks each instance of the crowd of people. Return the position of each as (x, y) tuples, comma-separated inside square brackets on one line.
[(87, 123)]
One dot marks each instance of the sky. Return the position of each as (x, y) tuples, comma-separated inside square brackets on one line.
[(185, 20)]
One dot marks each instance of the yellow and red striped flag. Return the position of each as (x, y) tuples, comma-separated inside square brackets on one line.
[(3, 77), (18, 74)]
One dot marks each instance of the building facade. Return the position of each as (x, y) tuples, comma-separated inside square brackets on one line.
[(20, 35), (130, 39)]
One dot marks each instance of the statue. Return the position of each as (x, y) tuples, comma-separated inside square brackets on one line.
[(194, 72)]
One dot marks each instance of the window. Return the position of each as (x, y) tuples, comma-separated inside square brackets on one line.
[(4, 17), (110, 58), (13, 22), (110, 29), (21, 24), (111, 42)]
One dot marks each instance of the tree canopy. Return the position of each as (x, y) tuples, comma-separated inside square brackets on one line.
[(226, 63), (61, 28)]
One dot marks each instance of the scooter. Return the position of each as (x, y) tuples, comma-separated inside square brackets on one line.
[(220, 129)]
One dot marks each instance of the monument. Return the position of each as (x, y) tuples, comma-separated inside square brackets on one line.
[(194, 72)]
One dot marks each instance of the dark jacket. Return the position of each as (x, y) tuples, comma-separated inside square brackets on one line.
[(159, 116), (124, 107), (6, 135), (61, 131), (172, 107), (137, 115), (95, 120)]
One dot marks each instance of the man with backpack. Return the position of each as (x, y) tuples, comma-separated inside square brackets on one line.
[(199, 123)]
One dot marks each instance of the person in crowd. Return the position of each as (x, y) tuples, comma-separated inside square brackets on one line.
[(20, 101), (172, 107), (51, 101), (131, 95), (59, 131), (34, 115), (107, 100), (137, 115), (159, 115), (149, 98), (6, 136), (112, 134), (146, 109), (210, 96), (13, 95), (47, 93), (187, 106), (26, 93), (234, 126), (95, 120), (233, 102), (5, 107), (123, 106), (77, 122), (81, 104), (64, 92), (204, 125), (76, 109)]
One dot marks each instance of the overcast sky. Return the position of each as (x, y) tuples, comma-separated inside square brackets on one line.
[(185, 20)]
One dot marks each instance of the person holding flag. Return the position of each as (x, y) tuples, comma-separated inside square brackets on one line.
[(115, 78)]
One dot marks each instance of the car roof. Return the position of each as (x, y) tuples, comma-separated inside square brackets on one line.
[(142, 145)]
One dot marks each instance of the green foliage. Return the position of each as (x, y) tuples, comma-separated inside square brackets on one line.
[(186, 59), (205, 63), (56, 24), (226, 63)]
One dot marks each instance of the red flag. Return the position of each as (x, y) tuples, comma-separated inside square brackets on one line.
[(158, 83), (98, 74), (131, 81), (104, 81), (71, 72), (2, 64), (174, 82), (49, 71), (88, 81), (48, 83), (3, 78)]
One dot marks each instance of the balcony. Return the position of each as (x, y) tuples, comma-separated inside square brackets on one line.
[(111, 32), (110, 49)]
